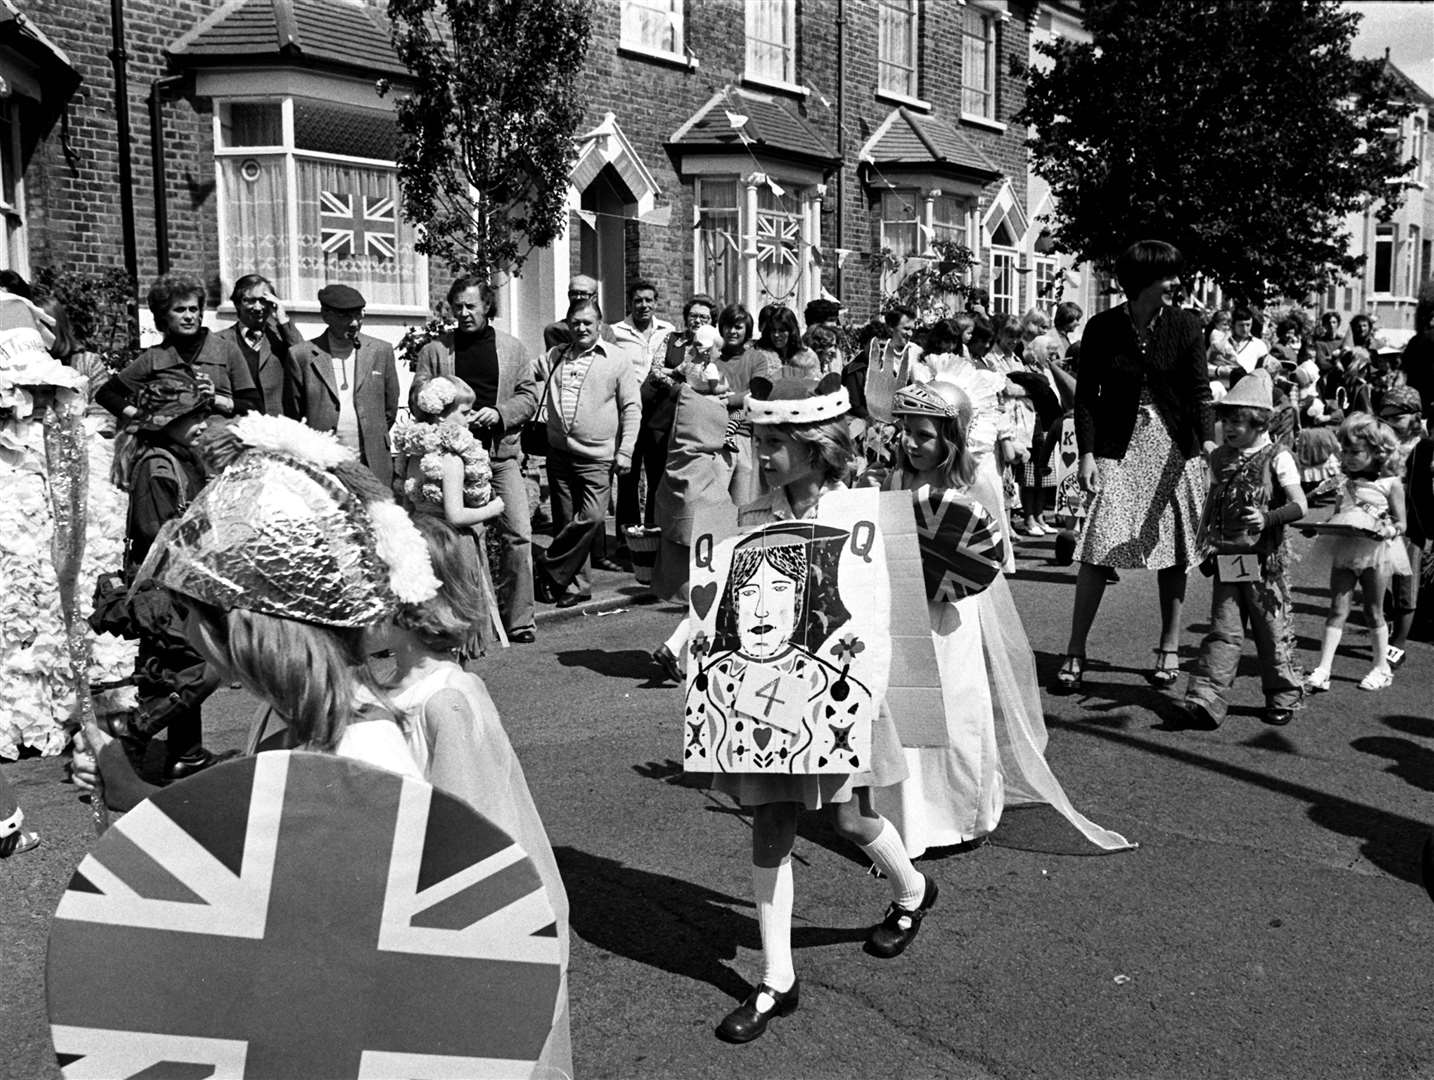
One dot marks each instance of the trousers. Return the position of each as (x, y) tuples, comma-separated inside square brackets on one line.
[(580, 489), (1268, 614)]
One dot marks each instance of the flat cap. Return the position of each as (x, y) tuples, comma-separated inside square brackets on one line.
[(341, 297)]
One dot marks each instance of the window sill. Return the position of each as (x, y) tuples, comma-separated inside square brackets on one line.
[(901, 99), (670, 59), (983, 121), (763, 83)]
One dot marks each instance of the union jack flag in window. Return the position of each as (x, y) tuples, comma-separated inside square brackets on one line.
[(354, 225), (778, 236)]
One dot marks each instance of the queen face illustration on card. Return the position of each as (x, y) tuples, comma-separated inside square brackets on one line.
[(790, 648)]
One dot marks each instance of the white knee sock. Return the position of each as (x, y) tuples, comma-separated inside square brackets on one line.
[(772, 886), (1380, 646), (677, 643), (908, 885), (1330, 646)]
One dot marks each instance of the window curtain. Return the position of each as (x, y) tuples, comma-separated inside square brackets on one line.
[(719, 273), (350, 231), (769, 40), (256, 231)]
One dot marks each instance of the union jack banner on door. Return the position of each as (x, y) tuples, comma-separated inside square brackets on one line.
[(351, 225), (778, 236), (302, 915)]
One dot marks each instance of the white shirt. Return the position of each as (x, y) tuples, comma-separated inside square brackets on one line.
[(647, 343), (345, 376)]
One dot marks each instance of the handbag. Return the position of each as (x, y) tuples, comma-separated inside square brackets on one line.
[(533, 439)]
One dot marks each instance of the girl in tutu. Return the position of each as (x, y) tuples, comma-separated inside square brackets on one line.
[(446, 473), (1368, 550), (989, 688)]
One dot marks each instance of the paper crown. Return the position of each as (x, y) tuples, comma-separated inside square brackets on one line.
[(1254, 391), (797, 401), (285, 530)]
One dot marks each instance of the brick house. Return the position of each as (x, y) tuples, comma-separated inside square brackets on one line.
[(763, 150)]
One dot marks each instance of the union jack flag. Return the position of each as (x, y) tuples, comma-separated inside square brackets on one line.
[(298, 914), (777, 238), (351, 225), (962, 549)]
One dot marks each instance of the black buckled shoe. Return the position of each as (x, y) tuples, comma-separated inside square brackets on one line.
[(747, 1022), (893, 934), (193, 761)]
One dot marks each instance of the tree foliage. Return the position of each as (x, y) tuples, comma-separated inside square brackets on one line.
[(486, 134), (1242, 131)]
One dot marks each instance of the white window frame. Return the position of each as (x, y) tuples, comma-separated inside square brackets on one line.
[(804, 196), (1045, 270), (700, 282), (910, 90), (786, 78), (15, 250), (291, 156), (671, 11), (987, 22), (1384, 235), (1419, 139), (999, 255)]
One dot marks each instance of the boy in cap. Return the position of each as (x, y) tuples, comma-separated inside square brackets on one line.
[(1401, 408), (1255, 493)]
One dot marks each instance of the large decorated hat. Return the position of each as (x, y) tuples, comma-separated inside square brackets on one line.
[(294, 527), (797, 401), (25, 361)]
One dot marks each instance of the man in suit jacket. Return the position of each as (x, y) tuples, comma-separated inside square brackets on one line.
[(500, 372), (264, 335), (347, 382)]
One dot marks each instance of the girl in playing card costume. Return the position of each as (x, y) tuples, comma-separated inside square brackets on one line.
[(992, 699), (804, 451), (447, 474)]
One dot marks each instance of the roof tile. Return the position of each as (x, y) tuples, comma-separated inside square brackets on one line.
[(907, 138), (328, 32), (771, 125)]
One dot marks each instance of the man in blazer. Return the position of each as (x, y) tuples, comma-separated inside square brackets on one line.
[(264, 335), (347, 382), (500, 372)]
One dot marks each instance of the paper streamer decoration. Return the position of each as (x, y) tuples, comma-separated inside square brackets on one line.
[(299, 914), (793, 650)]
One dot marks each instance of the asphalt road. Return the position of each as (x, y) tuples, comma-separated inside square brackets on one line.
[(1271, 923)]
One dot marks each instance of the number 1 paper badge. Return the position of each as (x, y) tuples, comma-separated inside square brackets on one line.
[(791, 650)]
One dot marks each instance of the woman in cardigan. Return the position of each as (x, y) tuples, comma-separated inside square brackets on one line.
[(1143, 417)]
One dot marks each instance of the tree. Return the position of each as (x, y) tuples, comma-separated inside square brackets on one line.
[(486, 135), (1241, 131)]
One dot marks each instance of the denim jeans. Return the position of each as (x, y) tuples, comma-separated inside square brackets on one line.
[(1268, 615)]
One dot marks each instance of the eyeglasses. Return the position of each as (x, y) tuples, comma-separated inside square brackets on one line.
[(581, 295)]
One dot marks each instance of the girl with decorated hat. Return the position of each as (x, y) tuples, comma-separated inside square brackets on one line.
[(804, 452), (446, 473), (991, 696)]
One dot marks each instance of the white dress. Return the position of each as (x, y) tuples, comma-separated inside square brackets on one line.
[(996, 728), (456, 736)]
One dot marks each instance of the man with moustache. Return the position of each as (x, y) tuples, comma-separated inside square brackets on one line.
[(347, 382)]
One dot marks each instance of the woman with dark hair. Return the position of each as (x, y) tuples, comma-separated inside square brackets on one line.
[(177, 303), (1143, 417), (780, 347)]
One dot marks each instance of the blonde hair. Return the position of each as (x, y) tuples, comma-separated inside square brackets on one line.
[(429, 411), (958, 467), (1377, 435), (310, 674), (445, 623)]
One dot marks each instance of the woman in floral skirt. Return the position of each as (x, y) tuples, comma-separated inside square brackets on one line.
[(1143, 420)]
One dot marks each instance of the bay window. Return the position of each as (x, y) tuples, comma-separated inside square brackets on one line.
[(754, 244), (719, 263), (308, 195)]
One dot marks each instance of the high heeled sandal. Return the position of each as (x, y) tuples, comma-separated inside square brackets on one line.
[(1165, 673), (1071, 674)]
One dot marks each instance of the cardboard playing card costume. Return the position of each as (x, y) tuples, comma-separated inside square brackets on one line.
[(792, 648)]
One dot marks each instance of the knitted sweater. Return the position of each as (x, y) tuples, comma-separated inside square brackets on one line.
[(609, 406)]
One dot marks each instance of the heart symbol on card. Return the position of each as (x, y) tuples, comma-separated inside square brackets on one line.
[(1067, 458), (702, 597), (762, 736)]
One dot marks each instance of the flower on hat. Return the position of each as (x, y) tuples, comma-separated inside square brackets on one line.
[(436, 395)]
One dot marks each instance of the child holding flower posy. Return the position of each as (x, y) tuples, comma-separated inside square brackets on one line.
[(446, 473)]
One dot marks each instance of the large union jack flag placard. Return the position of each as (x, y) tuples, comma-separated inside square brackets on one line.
[(352, 225), (302, 915), (962, 548)]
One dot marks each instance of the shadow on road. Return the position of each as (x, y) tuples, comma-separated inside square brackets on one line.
[(620, 663), (670, 924), (1389, 841)]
